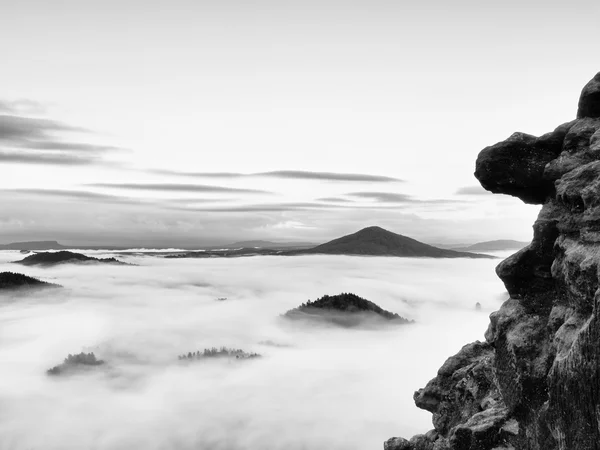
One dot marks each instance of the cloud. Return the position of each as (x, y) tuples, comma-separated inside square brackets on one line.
[(183, 200), (139, 318), (173, 187), (269, 207), (29, 157), (121, 221), (328, 176), (201, 174), (29, 140), (71, 147), (292, 224), (19, 131), (472, 190), (391, 197), (384, 203), (383, 197), (21, 106), (289, 174), (89, 196), (6, 107), (335, 200), (74, 194)]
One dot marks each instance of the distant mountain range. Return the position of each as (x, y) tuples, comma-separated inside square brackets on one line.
[(370, 241), (33, 245), (54, 245), (267, 244), (492, 246)]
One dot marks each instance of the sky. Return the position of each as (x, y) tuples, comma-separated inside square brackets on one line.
[(179, 123)]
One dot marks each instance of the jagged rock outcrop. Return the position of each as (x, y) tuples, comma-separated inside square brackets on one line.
[(589, 102), (535, 383)]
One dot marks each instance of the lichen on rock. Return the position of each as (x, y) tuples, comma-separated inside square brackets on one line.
[(535, 383)]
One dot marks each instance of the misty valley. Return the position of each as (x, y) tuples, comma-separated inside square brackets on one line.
[(122, 350)]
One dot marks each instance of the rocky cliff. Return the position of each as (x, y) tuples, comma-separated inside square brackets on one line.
[(535, 383)]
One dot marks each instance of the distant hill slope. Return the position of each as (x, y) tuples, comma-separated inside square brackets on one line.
[(51, 258), (12, 281), (267, 244), (492, 246), (375, 241), (234, 253), (33, 245)]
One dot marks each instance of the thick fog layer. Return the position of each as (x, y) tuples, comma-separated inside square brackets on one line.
[(318, 388)]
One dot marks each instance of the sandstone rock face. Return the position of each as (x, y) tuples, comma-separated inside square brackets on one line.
[(535, 383), (589, 103)]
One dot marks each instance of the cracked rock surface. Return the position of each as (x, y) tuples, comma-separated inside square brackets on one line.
[(535, 383)]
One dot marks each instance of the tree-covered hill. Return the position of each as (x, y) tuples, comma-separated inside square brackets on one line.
[(72, 363), (13, 281), (223, 353), (51, 258), (344, 309)]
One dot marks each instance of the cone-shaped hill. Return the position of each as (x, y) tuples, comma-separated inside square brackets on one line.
[(375, 241)]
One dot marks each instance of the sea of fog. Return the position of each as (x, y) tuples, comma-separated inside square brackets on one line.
[(322, 388)]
